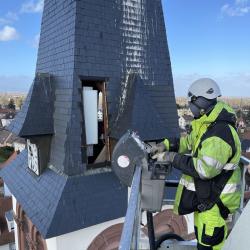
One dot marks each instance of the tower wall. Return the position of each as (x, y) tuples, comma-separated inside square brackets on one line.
[(110, 40)]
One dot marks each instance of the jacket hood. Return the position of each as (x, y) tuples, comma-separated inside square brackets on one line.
[(226, 114), (220, 112)]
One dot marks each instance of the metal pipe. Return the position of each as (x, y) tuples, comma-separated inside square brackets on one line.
[(244, 160), (151, 231), (130, 219)]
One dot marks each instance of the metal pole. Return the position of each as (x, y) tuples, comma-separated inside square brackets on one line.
[(151, 231), (130, 219)]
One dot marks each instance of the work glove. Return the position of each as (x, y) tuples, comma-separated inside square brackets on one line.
[(158, 148), (167, 157)]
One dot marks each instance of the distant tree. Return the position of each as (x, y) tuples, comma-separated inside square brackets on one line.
[(11, 104), (19, 102), (4, 100)]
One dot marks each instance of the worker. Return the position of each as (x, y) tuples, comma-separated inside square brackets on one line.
[(210, 185)]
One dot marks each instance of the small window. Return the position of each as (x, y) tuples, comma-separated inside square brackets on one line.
[(95, 140)]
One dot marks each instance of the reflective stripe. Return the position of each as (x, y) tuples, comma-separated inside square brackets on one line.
[(188, 185), (228, 189), (212, 162), (200, 170), (230, 166), (231, 188)]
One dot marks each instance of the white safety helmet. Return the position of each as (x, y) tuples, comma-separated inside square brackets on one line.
[(204, 87)]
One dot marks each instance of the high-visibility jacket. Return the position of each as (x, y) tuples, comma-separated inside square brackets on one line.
[(215, 150)]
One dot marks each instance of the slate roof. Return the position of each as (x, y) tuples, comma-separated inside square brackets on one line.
[(58, 204), (139, 112), (36, 115)]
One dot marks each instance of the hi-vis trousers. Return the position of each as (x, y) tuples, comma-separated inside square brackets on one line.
[(210, 229)]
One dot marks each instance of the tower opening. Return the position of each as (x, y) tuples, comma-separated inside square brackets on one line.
[(95, 132)]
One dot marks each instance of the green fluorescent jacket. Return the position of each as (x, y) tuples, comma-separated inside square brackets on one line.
[(209, 157)]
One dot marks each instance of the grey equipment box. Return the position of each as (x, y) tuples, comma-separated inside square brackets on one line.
[(128, 153)]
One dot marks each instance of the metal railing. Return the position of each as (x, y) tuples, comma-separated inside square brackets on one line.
[(131, 230), (244, 162)]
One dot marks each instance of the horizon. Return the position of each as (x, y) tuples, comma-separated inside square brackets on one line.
[(204, 39), (23, 93)]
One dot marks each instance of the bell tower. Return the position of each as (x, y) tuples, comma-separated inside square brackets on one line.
[(103, 67)]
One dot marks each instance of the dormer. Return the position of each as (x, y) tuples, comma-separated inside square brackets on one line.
[(35, 122)]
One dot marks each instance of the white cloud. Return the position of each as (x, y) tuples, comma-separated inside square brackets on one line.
[(12, 16), (32, 6), (8, 33), (3, 21), (242, 2), (9, 18), (238, 8)]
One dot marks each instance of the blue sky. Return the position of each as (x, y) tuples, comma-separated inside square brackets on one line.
[(206, 38), (210, 38)]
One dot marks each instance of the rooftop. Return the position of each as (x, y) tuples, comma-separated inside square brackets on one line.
[(60, 204)]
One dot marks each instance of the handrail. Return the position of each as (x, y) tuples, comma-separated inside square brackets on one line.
[(244, 160), (130, 229)]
